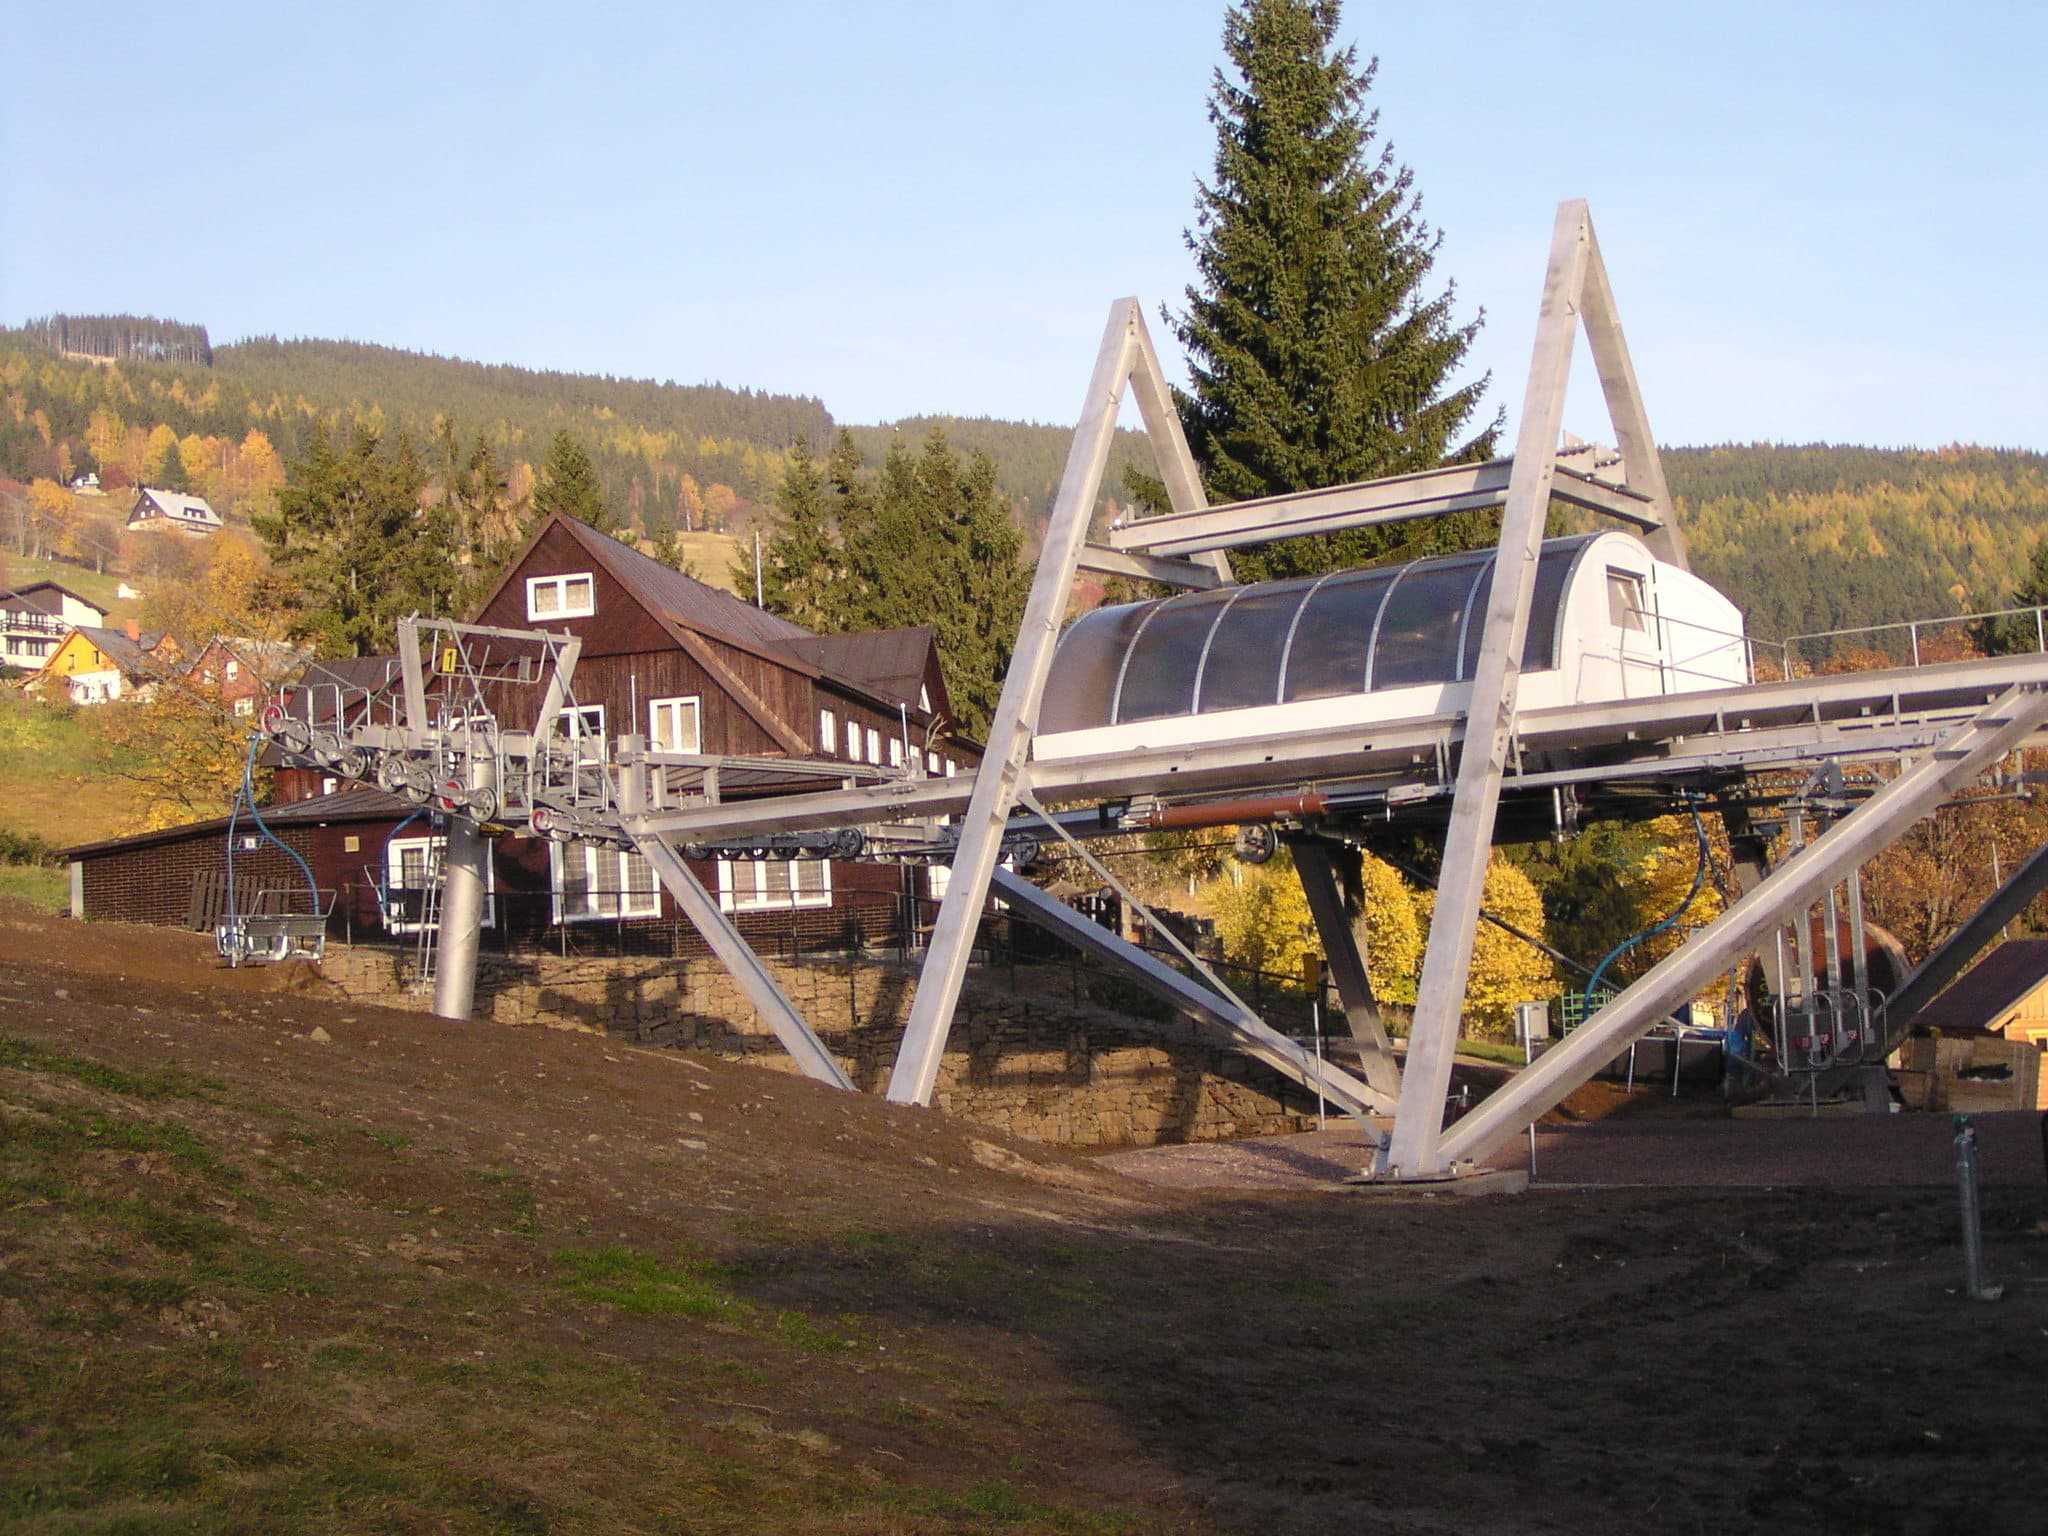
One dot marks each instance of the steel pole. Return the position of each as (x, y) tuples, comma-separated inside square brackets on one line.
[(462, 903)]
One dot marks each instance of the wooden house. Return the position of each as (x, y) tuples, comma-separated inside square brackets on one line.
[(692, 668), (34, 619), (161, 511), (97, 666)]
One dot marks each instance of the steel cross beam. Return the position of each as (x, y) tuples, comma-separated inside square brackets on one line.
[(1489, 722), (1946, 963), (1347, 966), (1004, 769), (1257, 1038), (1368, 503), (1791, 888)]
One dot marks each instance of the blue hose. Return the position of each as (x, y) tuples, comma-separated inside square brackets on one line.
[(1699, 876), (248, 798)]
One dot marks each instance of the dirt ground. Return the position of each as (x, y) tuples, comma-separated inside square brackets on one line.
[(417, 1276)]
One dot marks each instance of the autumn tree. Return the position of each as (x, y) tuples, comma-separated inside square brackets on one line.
[(180, 748), (1389, 931), (1317, 352), (1262, 917), (1505, 970), (50, 514)]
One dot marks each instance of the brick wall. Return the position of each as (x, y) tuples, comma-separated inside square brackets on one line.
[(1024, 1057)]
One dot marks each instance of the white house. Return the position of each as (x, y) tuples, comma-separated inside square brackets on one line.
[(157, 510), (35, 618)]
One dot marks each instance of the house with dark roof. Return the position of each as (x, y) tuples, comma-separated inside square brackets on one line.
[(692, 668), (158, 510), (34, 619)]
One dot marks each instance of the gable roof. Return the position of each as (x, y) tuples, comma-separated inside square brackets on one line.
[(27, 596), (886, 662), (136, 658), (176, 504), (1990, 989), (873, 664)]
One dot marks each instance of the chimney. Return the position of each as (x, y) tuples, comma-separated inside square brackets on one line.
[(134, 631)]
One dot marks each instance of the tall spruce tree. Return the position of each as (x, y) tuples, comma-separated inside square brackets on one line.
[(801, 565), (173, 475), (1317, 354), (569, 485)]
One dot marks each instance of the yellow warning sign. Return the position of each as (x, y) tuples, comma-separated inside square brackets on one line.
[(448, 661)]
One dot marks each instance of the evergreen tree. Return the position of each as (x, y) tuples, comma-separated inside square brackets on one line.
[(569, 485), (1316, 354), (801, 565), (2019, 632), (350, 535), (173, 477)]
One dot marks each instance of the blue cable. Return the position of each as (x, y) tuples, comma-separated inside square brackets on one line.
[(1699, 876), (248, 798)]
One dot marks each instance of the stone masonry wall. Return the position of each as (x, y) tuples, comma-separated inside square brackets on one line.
[(1026, 1055)]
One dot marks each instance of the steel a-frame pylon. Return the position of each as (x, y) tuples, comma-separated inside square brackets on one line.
[(1126, 360), (1575, 289)]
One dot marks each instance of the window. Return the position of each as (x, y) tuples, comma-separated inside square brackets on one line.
[(853, 740), (675, 725), (412, 866), (828, 731), (952, 768), (328, 784), (874, 745), (234, 670), (895, 752), (585, 724), (560, 597), (245, 707), (931, 764), (766, 884), (924, 698), (1625, 605), (593, 882)]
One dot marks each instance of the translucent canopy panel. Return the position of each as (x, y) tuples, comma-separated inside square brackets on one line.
[(1283, 642)]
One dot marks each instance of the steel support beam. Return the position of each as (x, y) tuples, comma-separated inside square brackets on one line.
[(1366, 504), (1639, 457), (1258, 1039), (1003, 765), (1791, 888), (743, 965), (1961, 947), (1176, 465), (461, 909), (1347, 966), (1468, 843), (1167, 569)]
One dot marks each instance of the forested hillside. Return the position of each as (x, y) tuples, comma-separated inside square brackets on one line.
[(1805, 537), (1815, 536)]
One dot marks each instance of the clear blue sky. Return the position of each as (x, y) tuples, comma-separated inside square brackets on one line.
[(1822, 221)]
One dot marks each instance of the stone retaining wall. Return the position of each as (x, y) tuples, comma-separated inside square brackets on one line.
[(1025, 1055)]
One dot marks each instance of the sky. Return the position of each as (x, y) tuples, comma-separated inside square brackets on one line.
[(1823, 222)]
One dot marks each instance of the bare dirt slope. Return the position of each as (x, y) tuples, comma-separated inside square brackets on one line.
[(427, 1277)]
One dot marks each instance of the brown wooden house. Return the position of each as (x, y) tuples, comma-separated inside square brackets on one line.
[(690, 667)]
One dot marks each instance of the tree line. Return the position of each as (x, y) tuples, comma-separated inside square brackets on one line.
[(143, 337)]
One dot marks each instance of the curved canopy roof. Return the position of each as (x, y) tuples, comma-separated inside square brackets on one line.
[(1285, 642)]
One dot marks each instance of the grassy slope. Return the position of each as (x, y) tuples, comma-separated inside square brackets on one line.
[(53, 783), (87, 583)]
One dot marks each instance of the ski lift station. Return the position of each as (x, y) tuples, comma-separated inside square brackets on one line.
[(1520, 690), (1607, 620)]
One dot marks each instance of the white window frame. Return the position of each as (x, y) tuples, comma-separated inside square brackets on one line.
[(931, 765), (743, 886), (1628, 600), (605, 870), (244, 708), (560, 586), (674, 704), (852, 740), (394, 865), (576, 721), (874, 746), (828, 731), (895, 752), (924, 698)]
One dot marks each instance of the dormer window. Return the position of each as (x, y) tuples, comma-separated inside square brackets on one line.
[(560, 597)]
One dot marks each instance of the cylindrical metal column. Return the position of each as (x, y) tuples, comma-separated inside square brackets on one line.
[(462, 903)]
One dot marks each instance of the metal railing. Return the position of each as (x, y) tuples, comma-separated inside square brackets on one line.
[(1903, 640)]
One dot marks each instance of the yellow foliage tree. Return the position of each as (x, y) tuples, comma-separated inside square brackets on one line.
[(1262, 917), (1389, 930), (52, 517), (180, 748), (1505, 971), (161, 440), (1665, 878)]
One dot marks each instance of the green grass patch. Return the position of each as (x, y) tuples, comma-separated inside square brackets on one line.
[(995, 1504), (511, 1200), (641, 1283), (144, 1083), (42, 886), (59, 784)]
